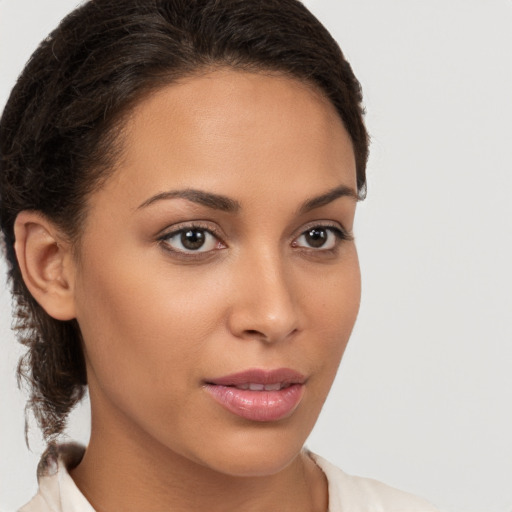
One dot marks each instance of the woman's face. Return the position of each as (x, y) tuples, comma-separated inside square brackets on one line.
[(218, 280)]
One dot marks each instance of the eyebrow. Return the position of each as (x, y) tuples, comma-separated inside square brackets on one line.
[(328, 197), (226, 204), (214, 201)]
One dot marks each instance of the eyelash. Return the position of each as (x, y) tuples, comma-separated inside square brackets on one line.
[(340, 234)]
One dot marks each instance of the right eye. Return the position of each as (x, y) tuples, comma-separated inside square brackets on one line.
[(192, 240)]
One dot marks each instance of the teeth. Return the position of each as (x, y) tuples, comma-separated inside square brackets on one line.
[(252, 386)]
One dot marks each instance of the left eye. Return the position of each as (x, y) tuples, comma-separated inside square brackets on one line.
[(318, 237), (191, 240)]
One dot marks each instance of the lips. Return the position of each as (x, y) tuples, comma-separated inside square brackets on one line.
[(259, 395)]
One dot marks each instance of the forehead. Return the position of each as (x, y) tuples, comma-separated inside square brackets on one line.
[(227, 129)]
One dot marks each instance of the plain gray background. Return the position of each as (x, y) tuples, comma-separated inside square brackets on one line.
[(423, 400)]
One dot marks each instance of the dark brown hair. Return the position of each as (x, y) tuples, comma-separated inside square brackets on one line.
[(59, 132)]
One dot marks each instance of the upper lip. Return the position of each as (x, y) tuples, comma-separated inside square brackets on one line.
[(260, 376)]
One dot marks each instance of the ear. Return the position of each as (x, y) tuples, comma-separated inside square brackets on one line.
[(46, 262)]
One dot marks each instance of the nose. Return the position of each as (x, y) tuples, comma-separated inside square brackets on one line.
[(264, 302)]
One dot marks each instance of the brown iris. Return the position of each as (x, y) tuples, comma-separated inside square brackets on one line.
[(316, 237), (193, 239)]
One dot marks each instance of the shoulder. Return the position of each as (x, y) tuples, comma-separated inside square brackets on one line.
[(57, 491), (357, 494)]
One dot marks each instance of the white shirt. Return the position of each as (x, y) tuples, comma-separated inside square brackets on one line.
[(58, 492)]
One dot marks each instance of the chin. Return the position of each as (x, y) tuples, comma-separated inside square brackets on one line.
[(254, 452)]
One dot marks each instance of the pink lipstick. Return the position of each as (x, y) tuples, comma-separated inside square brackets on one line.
[(259, 395)]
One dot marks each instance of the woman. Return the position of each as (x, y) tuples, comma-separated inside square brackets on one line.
[(178, 185)]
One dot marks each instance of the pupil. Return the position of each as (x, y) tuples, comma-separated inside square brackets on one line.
[(316, 237), (192, 239)]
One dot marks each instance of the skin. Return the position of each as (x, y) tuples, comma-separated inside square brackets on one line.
[(158, 321)]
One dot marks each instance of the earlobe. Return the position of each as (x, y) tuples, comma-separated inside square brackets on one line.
[(46, 264)]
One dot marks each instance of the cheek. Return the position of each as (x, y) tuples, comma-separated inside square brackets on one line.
[(335, 297), (143, 325), (334, 310), (146, 344)]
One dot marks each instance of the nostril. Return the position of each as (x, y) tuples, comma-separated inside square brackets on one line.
[(254, 332)]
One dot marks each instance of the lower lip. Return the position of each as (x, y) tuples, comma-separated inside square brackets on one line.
[(261, 406)]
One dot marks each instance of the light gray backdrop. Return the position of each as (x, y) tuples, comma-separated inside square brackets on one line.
[(423, 399)]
